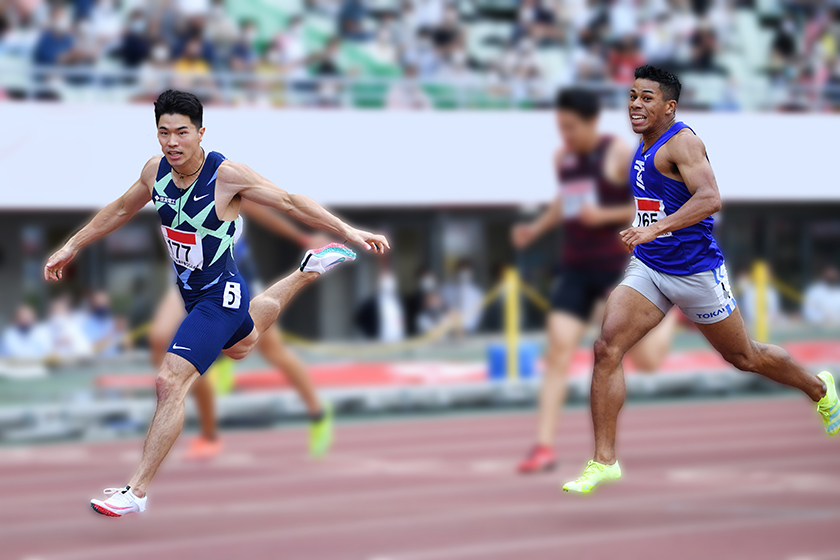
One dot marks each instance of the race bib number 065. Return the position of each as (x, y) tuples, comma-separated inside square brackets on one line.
[(649, 211), (184, 247)]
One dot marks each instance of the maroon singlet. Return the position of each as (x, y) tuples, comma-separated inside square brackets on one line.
[(582, 180)]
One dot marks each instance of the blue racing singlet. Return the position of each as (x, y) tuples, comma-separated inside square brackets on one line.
[(199, 243), (682, 252)]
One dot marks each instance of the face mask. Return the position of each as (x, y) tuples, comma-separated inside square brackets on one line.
[(250, 36), (24, 329), (465, 276), (138, 27)]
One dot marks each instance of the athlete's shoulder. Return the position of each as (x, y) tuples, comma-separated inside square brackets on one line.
[(150, 170), (685, 145)]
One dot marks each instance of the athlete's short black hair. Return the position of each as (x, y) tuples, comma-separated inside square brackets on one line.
[(668, 82), (173, 102), (582, 102)]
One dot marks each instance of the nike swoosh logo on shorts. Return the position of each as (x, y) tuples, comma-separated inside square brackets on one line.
[(176, 347), (197, 198)]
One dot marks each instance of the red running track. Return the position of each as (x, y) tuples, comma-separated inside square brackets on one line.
[(737, 479)]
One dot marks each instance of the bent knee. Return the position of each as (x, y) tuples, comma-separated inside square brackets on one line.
[(744, 360), (239, 350), (606, 350)]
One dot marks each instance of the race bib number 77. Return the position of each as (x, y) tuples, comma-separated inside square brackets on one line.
[(649, 211)]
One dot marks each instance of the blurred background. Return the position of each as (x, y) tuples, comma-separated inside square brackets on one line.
[(430, 121)]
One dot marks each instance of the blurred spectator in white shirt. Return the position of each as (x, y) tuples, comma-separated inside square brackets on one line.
[(104, 331), (382, 316), (822, 299), (463, 296), (67, 340), (407, 93), (25, 339), (745, 295)]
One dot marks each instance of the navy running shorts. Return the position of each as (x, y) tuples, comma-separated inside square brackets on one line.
[(217, 318)]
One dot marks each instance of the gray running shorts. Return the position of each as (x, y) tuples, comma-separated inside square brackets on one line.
[(705, 297)]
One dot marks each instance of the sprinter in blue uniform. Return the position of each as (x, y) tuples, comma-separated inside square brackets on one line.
[(676, 261), (197, 196)]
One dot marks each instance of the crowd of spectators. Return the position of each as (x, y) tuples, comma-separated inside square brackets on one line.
[(389, 315), (66, 334), (519, 49)]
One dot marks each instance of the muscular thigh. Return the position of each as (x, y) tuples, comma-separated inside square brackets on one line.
[(628, 317)]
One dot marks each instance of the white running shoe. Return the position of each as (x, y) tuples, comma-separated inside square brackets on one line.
[(122, 502), (325, 258)]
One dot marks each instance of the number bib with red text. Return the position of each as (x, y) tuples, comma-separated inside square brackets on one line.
[(649, 211), (184, 247)]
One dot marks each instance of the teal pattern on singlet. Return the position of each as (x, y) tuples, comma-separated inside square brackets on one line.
[(200, 244)]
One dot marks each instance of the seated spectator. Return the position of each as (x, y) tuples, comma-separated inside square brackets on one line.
[(155, 72), (416, 302), (704, 48), (382, 316), (463, 296), (66, 338), (24, 339), (821, 305), (56, 44), (432, 314), (104, 331), (135, 45), (746, 296), (537, 21), (193, 71), (625, 57), (243, 52), (448, 36), (407, 93), (351, 20)]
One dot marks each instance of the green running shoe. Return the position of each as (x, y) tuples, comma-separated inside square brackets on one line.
[(829, 405), (321, 433), (593, 475)]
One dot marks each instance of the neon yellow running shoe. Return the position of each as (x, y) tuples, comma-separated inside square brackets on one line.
[(221, 375), (593, 475), (321, 433), (829, 405)]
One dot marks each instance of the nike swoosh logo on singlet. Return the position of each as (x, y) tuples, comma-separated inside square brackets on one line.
[(176, 347), (197, 198)]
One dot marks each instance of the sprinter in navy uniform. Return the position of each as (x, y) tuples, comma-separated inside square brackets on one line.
[(197, 196)]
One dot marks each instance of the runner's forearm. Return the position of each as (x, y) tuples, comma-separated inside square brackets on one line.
[(313, 214), (106, 220), (548, 220), (700, 206)]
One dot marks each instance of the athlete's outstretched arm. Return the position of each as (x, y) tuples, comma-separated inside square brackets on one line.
[(239, 179), (274, 222), (688, 153), (107, 220)]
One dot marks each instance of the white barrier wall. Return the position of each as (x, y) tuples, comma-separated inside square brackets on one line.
[(84, 156)]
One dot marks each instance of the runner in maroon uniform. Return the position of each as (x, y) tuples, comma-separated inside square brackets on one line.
[(594, 203)]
